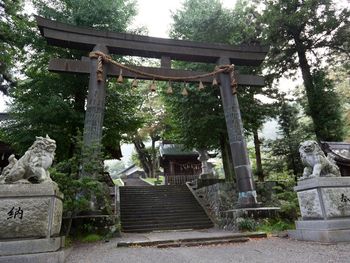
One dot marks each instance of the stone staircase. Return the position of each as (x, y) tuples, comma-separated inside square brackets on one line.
[(170, 207)]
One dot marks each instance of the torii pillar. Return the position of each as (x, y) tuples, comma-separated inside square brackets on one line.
[(95, 106), (243, 170)]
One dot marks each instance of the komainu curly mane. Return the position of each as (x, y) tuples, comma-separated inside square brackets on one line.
[(32, 167), (315, 162)]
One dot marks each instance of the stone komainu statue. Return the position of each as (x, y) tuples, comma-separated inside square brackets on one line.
[(32, 167), (315, 162)]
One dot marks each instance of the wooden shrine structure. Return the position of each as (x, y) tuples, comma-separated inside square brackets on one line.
[(179, 165), (103, 43)]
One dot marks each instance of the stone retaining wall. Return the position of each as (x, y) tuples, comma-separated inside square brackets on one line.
[(221, 202)]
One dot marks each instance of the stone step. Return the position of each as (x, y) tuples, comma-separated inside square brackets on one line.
[(152, 190), (145, 209), (163, 215), (204, 243), (158, 187), (159, 211), (155, 193), (168, 204), (150, 228), (169, 221), (156, 199), (210, 237)]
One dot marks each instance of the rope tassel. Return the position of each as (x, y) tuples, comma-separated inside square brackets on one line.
[(120, 78), (134, 83), (153, 87), (170, 89), (201, 86), (184, 91), (215, 82)]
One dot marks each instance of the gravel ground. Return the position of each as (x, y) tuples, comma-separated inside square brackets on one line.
[(273, 249)]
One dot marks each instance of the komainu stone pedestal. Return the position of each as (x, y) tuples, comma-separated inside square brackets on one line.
[(325, 210), (30, 222)]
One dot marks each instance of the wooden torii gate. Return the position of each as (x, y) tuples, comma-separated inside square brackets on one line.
[(68, 36)]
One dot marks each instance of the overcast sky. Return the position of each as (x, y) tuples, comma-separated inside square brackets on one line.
[(158, 25)]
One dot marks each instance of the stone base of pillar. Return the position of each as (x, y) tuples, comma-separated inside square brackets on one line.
[(30, 246), (207, 176), (326, 231), (52, 257), (30, 223), (229, 219), (247, 200), (325, 210)]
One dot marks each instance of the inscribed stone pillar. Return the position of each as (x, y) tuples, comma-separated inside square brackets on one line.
[(241, 163), (95, 103)]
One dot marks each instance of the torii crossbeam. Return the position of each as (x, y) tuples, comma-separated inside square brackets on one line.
[(68, 36)]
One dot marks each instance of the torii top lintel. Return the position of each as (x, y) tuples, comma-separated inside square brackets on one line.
[(69, 36)]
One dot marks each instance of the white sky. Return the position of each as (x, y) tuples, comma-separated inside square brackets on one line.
[(156, 14)]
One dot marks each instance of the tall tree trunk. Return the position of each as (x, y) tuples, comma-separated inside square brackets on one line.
[(308, 82), (143, 156), (227, 159), (259, 169), (154, 156)]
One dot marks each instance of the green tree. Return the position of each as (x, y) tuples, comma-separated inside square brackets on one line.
[(54, 103), (300, 33), (340, 77), (282, 154), (14, 38), (151, 111), (198, 118), (197, 121), (113, 15)]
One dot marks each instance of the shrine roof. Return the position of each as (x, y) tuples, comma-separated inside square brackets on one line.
[(175, 150)]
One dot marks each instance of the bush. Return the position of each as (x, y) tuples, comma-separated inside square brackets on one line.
[(287, 199), (273, 225), (246, 224), (91, 238), (82, 193)]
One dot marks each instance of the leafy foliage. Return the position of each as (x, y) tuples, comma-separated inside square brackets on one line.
[(54, 104), (246, 224), (325, 103), (300, 34), (197, 120), (114, 15), (287, 198), (14, 39), (273, 225), (91, 238), (78, 190), (283, 153)]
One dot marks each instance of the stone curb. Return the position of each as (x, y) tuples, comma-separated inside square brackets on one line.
[(191, 239)]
